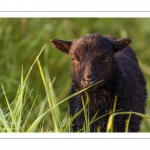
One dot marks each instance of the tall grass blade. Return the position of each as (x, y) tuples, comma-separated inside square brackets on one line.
[(51, 98), (3, 122), (6, 126), (29, 112), (110, 124), (55, 110), (127, 123), (86, 113), (27, 76), (9, 107), (123, 113), (42, 108), (18, 105)]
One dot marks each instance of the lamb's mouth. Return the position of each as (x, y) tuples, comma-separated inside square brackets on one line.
[(92, 84)]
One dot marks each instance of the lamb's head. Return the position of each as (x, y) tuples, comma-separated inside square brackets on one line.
[(91, 57)]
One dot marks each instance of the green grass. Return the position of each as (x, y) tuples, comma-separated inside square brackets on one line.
[(30, 90), (12, 120)]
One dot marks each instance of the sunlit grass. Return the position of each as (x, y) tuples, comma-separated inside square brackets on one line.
[(35, 95), (11, 120)]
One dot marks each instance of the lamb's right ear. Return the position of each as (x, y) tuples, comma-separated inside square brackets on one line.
[(63, 46)]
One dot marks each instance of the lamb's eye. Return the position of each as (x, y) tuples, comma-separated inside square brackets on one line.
[(106, 59), (73, 58)]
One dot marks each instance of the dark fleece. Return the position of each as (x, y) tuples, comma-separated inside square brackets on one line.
[(95, 58)]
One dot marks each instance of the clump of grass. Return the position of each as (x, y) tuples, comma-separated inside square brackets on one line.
[(110, 127), (11, 119)]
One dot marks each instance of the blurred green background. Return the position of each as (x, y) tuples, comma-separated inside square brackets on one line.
[(21, 39)]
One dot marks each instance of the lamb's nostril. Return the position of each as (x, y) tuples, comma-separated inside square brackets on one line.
[(88, 80)]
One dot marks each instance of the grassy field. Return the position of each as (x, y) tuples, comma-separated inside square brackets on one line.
[(25, 94)]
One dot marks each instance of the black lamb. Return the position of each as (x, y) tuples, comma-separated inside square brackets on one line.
[(111, 61)]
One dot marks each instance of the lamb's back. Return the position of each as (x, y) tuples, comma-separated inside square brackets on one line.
[(134, 84)]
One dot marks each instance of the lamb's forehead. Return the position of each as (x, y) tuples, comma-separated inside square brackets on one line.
[(89, 38), (91, 42)]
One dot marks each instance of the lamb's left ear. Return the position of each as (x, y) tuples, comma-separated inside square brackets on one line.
[(63, 46), (119, 44)]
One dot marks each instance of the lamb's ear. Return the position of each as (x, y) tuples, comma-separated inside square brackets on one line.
[(63, 46), (119, 44)]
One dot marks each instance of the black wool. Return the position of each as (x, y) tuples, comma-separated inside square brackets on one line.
[(103, 58)]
